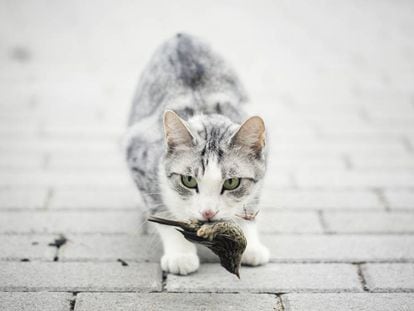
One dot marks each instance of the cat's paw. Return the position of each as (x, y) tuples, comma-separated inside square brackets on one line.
[(256, 255), (180, 263)]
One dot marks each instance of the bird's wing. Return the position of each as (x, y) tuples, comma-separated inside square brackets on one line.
[(193, 237)]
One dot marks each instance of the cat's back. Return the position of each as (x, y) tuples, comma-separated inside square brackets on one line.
[(187, 76)]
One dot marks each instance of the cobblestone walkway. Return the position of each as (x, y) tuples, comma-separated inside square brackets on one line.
[(334, 81)]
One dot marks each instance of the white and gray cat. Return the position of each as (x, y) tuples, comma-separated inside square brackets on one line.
[(191, 149)]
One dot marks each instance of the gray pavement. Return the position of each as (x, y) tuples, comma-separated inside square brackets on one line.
[(334, 81)]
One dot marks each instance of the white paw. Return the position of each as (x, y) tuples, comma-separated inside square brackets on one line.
[(180, 263), (256, 255)]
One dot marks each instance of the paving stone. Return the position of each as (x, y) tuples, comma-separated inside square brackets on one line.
[(320, 199), (23, 198), (283, 162), (378, 107), (164, 301), (369, 222), (387, 161), (281, 179), (71, 221), (60, 146), (35, 301), (400, 199), (75, 276), (366, 132), (355, 180), (289, 222), (389, 277), (18, 247), (348, 301), (96, 198), (272, 278), (338, 147), (19, 130), (71, 179), (341, 248), (17, 161), (88, 162), (82, 131), (103, 247)]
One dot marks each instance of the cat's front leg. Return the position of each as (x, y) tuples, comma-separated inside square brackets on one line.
[(256, 253), (180, 256)]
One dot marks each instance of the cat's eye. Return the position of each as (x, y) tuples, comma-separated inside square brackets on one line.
[(189, 181), (231, 183)]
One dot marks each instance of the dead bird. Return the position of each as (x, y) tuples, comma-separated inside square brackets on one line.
[(224, 238)]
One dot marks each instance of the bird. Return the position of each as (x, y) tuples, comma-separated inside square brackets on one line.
[(225, 238)]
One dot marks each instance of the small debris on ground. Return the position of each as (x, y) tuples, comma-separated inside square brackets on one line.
[(123, 262)]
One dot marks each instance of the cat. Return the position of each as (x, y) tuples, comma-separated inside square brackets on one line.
[(191, 149)]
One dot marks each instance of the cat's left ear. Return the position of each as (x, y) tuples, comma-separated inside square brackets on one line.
[(251, 135), (176, 131)]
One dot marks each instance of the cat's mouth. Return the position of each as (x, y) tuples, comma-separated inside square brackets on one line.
[(248, 216)]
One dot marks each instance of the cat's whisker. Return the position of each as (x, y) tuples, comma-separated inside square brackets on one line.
[(152, 243), (139, 227), (258, 203)]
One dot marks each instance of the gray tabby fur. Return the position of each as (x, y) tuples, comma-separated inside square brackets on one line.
[(186, 76)]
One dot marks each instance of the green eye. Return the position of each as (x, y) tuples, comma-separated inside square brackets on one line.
[(231, 183), (189, 182)]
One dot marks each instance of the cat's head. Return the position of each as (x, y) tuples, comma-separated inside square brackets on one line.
[(212, 167)]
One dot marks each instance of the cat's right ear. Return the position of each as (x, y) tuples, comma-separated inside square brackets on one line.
[(251, 135), (177, 134)]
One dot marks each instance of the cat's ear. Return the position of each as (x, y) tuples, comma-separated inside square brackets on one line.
[(251, 135), (176, 132)]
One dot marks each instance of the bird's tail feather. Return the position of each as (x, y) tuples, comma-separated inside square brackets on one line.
[(167, 222)]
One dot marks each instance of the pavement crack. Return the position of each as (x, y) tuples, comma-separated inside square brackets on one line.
[(361, 277), (279, 304), (73, 301), (381, 196), (164, 281), (323, 222)]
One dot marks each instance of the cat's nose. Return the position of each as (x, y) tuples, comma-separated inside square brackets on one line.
[(208, 214)]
